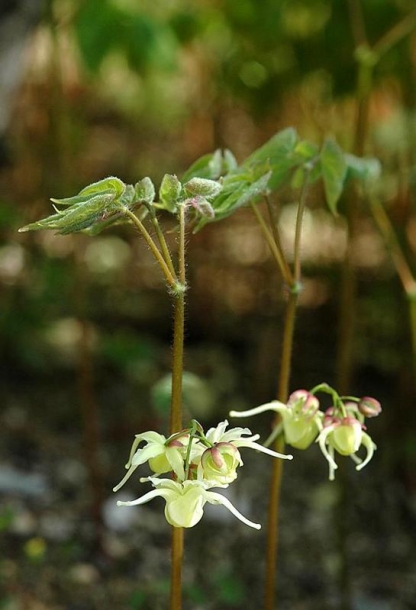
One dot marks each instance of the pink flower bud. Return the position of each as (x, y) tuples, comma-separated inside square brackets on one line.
[(220, 462), (369, 407), (303, 402)]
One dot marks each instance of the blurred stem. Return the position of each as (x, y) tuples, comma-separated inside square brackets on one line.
[(367, 58), (176, 405), (282, 396), (396, 34), (274, 245), (169, 276), (402, 267), (386, 229)]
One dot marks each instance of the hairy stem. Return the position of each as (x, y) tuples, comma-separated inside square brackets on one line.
[(176, 406)]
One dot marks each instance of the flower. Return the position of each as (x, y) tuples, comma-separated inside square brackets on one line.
[(185, 501), (163, 454), (344, 435), (219, 463), (301, 418)]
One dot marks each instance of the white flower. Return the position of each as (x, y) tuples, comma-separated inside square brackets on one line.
[(345, 436), (185, 501), (163, 454)]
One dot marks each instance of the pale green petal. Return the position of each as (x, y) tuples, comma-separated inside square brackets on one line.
[(258, 447), (322, 438), (276, 406), (125, 478), (149, 451), (186, 509), (235, 433), (370, 446), (163, 493), (176, 460), (214, 434), (153, 437), (215, 498)]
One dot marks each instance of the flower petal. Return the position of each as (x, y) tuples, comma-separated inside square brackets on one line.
[(215, 498), (125, 478), (370, 446), (275, 405), (176, 460), (322, 438), (258, 447), (146, 453), (164, 493)]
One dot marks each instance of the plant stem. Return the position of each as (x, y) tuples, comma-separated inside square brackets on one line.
[(282, 396), (170, 278), (274, 246), (163, 244), (176, 406)]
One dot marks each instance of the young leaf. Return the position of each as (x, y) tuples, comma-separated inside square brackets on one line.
[(169, 192), (279, 154), (364, 168), (334, 170), (145, 190)]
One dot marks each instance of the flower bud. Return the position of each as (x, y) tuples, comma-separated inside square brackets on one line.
[(369, 407), (203, 187), (303, 402), (219, 463)]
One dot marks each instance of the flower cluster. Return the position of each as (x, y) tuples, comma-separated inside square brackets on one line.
[(197, 462), (339, 429)]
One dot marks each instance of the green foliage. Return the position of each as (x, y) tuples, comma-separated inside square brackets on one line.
[(102, 27), (169, 192), (334, 170), (102, 201)]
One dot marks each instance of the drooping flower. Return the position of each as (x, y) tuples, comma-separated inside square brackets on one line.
[(219, 464), (344, 435), (185, 501), (163, 454), (301, 418)]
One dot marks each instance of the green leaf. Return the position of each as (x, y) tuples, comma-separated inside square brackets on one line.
[(113, 184), (208, 166), (363, 168), (169, 192), (334, 170), (144, 190), (279, 154), (98, 27)]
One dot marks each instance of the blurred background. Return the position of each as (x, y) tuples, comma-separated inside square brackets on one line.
[(91, 88)]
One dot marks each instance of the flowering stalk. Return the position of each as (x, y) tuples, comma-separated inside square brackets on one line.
[(292, 278), (176, 405)]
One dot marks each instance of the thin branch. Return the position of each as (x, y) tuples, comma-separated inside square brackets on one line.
[(278, 256), (170, 278)]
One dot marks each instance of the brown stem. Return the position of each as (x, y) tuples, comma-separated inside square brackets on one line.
[(176, 406), (282, 395), (274, 248)]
